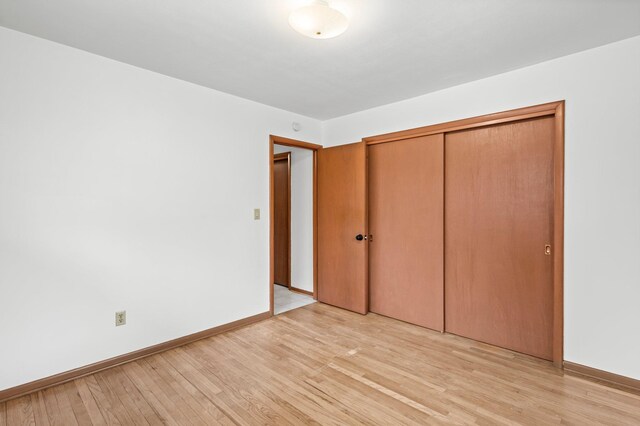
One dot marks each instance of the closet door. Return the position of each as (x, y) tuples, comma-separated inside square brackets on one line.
[(406, 221), (498, 232)]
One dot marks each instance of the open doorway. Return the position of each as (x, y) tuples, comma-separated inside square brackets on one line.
[(293, 210)]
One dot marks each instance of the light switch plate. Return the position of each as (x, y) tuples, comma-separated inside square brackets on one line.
[(256, 214)]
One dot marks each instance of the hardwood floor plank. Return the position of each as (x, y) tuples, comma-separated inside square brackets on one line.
[(65, 405), (3, 414), (39, 409), (298, 395), (154, 395), (242, 399), (130, 396), (202, 390), (285, 363), (257, 382), (184, 393), (79, 410), (20, 412), (275, 377), (232, 400), (206, 410), (164, 385), (102, 401), (323, 365), (124, 413), (57, 414), (88, 402), (262, 388)]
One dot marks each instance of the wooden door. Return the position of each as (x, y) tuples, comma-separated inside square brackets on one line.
[(282, 219), (406, 196), (342, 255), (498, 220)]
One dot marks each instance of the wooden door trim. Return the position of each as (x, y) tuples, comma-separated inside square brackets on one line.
[(558, 237), (286, 156), (542, 110), (555, 109), (279, 140)]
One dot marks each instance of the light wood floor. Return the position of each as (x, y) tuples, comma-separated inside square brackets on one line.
[(322, 365)]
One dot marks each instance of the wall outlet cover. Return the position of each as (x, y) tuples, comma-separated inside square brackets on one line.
[(121, 318)]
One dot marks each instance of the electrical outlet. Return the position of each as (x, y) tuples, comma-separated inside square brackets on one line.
[(121, 318), (256, 214)]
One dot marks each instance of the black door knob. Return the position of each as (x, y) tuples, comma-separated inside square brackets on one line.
[(359, 237)]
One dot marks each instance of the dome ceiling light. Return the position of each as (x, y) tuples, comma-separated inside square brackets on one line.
[(318, 20)]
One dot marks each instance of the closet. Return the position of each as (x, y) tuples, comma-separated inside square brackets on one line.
[(463, 228)]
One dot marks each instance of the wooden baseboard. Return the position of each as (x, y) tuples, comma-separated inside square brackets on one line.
[(299, 290), (67, 376), (601, 376)]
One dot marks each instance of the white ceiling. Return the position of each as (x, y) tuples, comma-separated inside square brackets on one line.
[(393, 50)]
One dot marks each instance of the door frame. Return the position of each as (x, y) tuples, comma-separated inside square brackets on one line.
[(556, 110), (279, 140), (286, 156)]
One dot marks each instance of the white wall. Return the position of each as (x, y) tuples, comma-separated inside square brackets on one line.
[(123, 189), (602, 223), (301, 216)]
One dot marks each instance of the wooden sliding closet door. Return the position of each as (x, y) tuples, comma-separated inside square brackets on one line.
[(498, 231), (406, 221)]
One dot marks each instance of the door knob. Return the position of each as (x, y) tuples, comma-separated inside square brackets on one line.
[(359, 237)]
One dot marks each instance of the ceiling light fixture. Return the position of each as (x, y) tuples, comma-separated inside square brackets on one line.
[(318, 20)]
